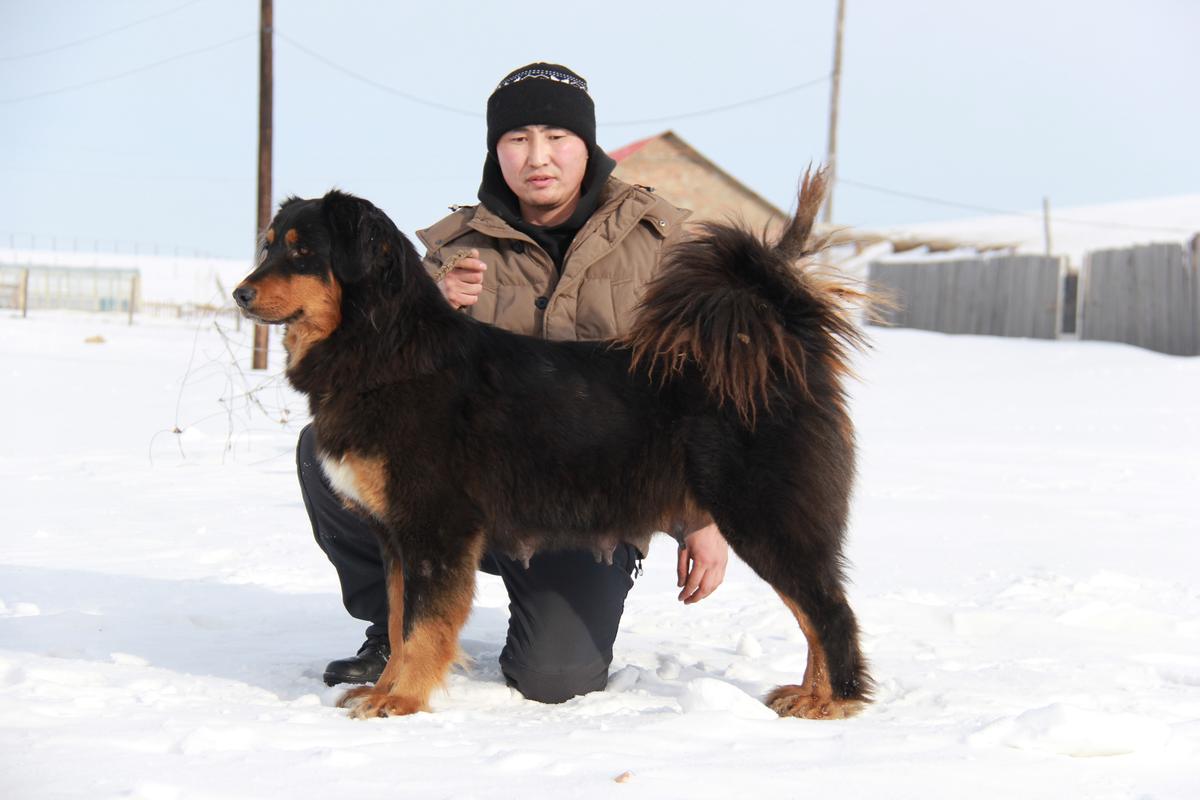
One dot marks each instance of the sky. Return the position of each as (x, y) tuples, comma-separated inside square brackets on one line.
[(133, 123)]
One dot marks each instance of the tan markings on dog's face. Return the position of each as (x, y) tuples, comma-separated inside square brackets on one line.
[(310, 306), (270, 237), (291, 237)]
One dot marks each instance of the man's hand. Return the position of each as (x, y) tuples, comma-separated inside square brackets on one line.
[(702, 560), (463, 284)]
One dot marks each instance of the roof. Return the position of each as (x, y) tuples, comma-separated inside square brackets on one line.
[(621, 153)]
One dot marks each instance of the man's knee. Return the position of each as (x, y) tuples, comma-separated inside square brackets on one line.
[(306, 455), (554, 686)]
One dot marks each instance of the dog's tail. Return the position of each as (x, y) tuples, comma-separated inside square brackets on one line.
[(756, 319)]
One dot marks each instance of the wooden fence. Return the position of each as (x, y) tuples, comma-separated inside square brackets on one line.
[(1147, 296), (997, 296)]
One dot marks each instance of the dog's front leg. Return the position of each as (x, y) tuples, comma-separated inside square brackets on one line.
[(378, 700), (429, 597)]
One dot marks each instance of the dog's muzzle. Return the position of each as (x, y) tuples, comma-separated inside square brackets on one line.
[(244, 296)]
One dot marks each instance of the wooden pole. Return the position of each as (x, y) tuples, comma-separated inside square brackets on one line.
[(1046, 221), (24, 293), (834, 93), (133, 295), (265, 101)]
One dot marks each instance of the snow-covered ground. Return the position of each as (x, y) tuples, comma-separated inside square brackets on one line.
[(1024, 558)]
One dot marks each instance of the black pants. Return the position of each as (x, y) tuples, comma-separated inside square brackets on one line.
[(563, 610)]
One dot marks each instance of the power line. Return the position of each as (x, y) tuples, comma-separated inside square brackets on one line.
[(927, 199), (358, 76), (127, 73), (78, 244), (989, 210), (383, 87), (126, 175), (718, 109), (96, 36)]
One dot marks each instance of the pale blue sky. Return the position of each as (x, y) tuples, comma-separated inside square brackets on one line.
[(990, 104)]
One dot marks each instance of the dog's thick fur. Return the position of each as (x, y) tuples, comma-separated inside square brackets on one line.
[(723, 402)]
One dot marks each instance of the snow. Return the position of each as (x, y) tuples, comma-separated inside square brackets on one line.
[(1023, 559)]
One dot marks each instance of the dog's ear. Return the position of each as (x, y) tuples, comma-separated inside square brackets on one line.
[(348, 218)]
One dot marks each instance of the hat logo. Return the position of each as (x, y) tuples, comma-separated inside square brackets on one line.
[(544, 72)]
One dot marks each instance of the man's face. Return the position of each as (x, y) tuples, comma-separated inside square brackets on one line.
[(544, 167)]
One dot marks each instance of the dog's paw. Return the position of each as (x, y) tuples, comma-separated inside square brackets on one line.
[(366, 702), (799, 701)]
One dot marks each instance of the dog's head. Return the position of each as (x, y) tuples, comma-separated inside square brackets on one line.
[(308, 253)]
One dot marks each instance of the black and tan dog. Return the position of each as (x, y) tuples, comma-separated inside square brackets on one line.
[(723, 403)]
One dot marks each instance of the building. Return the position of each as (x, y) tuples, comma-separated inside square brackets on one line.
[(684, 176)]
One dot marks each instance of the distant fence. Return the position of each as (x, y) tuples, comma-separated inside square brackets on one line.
[(997, 296), (1148, 296), (79, 289), (94, 289), (190, 311)]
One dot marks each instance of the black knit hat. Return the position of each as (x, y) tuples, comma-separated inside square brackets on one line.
[(541, 94)]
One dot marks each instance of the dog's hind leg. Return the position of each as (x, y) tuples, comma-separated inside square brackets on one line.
[(430, 599), (835, 683), (799, 556)]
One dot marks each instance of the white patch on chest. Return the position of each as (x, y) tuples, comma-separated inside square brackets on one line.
[(341, 478)]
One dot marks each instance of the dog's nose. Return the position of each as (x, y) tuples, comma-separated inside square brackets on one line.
[(244, 295)]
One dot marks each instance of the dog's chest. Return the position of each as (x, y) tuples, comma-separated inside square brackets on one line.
[(358, 479)]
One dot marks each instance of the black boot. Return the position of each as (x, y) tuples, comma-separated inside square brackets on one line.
[(363, 668)]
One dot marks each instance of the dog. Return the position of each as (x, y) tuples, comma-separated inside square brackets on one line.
[(724, 402)]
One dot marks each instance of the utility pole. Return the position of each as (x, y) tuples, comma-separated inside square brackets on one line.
[(265, 102), (835, 91)]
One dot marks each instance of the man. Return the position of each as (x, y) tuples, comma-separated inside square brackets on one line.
[(556, 248)]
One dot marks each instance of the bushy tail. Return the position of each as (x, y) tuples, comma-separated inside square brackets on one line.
[(756, 319)]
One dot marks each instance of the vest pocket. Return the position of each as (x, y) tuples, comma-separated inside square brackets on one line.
[(516, 309), (625, 298), (484, 309), (595, 314)]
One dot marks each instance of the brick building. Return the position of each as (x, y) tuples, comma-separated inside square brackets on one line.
[(686, 178)]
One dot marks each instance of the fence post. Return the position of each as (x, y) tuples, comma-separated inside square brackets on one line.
[(1046, 223), (1193, 273), (24, 293), (133, 294)]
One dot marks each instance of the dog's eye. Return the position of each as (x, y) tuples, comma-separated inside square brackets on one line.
[(300, 252)]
